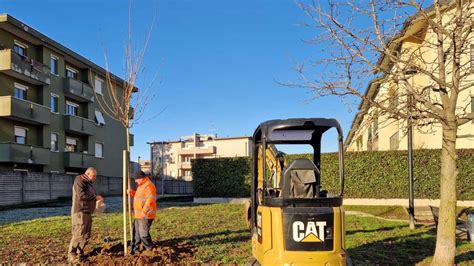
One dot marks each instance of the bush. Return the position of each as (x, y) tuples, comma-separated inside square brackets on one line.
[(381, 174), (222, 177)]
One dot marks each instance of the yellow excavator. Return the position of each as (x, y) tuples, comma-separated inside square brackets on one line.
[(293, 220)]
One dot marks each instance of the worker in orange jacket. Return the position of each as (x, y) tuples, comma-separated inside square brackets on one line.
[(144, 207)]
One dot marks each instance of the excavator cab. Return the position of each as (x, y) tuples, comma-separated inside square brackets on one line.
[(293, 218)]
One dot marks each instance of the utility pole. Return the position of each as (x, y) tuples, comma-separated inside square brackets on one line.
[(162, 168), (411, 204), (411, 208)]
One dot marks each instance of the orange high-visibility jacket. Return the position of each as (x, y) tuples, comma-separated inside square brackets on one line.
[(144, 200)]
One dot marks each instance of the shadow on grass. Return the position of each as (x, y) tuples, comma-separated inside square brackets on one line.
[(464, 257), (388, 228), (222, 237), (403, 250)]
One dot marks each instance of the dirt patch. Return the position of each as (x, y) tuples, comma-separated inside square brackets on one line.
[(165, 252)]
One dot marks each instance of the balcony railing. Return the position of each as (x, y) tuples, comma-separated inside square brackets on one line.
[(79, 160), (79, 125), (24, 68), (184, 165), (197, 150), (24, 111), (26, 154), (78, 90)]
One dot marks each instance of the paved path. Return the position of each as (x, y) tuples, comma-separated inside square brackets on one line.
[(114, 204), (364, 214)]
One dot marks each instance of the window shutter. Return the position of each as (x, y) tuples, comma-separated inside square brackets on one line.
[(71, 141), (99, 117), (98, 150), (20, 132), (98, 85)]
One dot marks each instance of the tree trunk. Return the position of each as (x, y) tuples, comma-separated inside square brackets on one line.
[(446, 234)]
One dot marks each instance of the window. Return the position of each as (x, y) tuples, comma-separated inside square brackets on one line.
[(375, 124), (472, 57), (359, 143), (54, 142), (187, 159), (71, 108), (99, 150), (98, 85), (19, 48), (20, 135), (71, 72), (394, 142), (99, 118), (187, 172), (369, 138), (71, 144), (54, 65), (20, 91), (54, 103), (472, 106)]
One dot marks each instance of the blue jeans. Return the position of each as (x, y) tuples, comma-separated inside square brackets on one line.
[(141, 234)]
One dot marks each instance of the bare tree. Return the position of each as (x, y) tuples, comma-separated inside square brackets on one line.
[(419, 55), (126, 104)]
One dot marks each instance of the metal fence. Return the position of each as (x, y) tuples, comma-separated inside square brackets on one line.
[(174, 187), (17, 188)]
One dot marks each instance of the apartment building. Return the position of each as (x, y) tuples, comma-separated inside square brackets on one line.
[(172, 159), (50, 120), (372, 132), (145, 165)]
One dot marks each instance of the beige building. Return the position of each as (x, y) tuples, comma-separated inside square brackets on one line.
[(172, 159), (370, 131), (145, 165)]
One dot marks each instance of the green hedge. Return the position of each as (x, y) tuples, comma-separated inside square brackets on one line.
[(367, 175), (222, 177)]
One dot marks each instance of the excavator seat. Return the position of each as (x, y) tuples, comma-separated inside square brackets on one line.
[(300, 180)]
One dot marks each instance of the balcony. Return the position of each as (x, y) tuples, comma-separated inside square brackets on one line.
[(78, 90), (26, 154), (79, 160), (24, 68), (24, 111), (197, 150), (79, 125), (184, 165)]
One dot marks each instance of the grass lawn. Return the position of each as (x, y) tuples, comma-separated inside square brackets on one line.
[(213, 233)]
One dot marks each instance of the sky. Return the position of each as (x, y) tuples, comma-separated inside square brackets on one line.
[(213, 66)]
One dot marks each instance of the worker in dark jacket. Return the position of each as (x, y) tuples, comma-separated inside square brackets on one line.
[(83, 206)]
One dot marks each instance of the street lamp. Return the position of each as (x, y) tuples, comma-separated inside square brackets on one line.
[(162, 163), (411, 208)]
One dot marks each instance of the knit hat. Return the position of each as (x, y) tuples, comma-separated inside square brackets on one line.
[(139, 175)]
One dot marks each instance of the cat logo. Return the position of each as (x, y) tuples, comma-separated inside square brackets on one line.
[(308, 232)]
